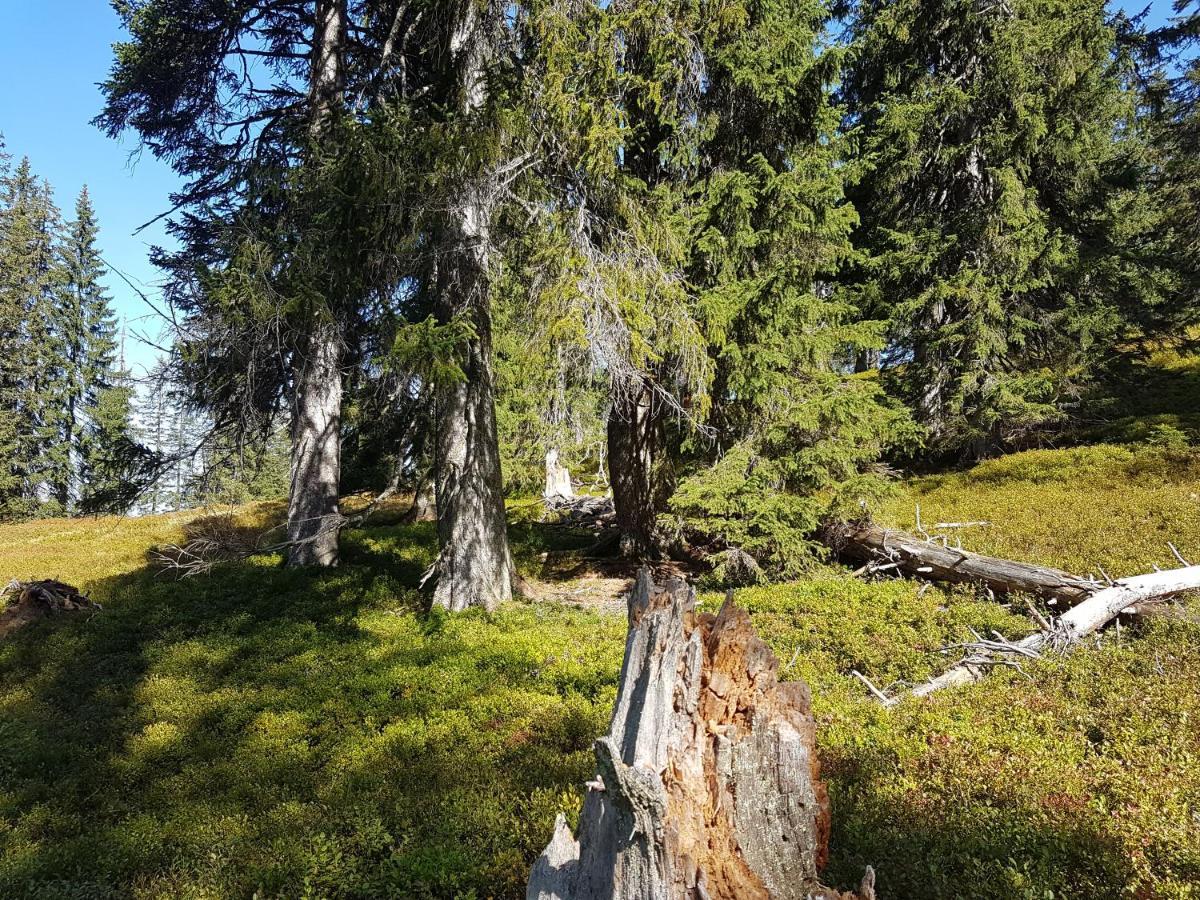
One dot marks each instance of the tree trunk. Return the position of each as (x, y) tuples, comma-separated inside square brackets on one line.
[(915, 556), (634, 443), (313, 515), (866, 360), (1069, 629), (934, 370), (316, 465), (708, 781), (474, 567)]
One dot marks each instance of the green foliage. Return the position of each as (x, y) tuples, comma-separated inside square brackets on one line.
[(433, 350), (811, 461), (1001, 205), (298, 733)]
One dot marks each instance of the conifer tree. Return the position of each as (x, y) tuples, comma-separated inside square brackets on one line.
[(703, 218), (1177, 126), (984, 131), (114, 466), (87, 337), (265, 279), (30, 373)]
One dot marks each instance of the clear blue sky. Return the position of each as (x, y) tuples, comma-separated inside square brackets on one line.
[(55, 53)]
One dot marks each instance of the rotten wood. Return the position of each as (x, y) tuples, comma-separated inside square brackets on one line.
[(708, 784), (29, 601)]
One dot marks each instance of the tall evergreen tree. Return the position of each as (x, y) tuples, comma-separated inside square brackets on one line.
[(1177, 124), (87, 331), (31, 373), (257, 107), (701, 206), (985, 131)]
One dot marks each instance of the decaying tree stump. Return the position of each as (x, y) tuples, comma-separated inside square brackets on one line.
[(558, 479), (708, 782), (29, 601)]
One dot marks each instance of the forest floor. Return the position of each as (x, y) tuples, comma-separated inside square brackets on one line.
[(263, 732)]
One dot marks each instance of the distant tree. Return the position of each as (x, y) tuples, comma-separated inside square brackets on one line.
[(87, 330), (31, 383), (115, 467)]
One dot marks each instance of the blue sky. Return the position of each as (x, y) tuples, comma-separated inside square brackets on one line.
[(55, 52)]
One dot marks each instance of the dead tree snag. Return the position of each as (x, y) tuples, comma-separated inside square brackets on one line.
[(707, 782)]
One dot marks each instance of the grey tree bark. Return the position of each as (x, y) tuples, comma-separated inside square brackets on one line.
[(474, 566), (925, 559), (634, 444), (707, 783), (313, 516)]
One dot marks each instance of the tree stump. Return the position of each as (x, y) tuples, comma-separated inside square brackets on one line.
[(29, 601), (708, 781), (558, 479)]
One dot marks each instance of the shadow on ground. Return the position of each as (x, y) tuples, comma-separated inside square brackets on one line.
[(259, 731)]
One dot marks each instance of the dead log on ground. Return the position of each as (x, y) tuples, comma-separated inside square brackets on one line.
[(708, 781), (1067, 630), (884, 549), (29, 601)]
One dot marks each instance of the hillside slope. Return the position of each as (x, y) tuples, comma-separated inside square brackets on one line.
[(262, 731)]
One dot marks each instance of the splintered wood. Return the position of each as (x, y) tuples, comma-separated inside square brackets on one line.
[(707, 783)]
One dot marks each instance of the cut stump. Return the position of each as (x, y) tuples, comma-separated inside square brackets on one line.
[(708, 781)]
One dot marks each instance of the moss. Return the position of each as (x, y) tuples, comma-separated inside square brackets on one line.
[(298, 734)]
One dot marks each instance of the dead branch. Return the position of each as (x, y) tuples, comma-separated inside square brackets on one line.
[(28, 601), (1067, 630)]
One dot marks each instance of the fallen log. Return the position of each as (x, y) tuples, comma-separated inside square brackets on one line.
[(885, 548), (29, 601), (1100, 608), (707, 782)]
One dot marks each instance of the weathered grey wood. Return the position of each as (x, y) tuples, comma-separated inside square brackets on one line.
[(1073, 626), (558, 479), (916, 556), (707, 782)]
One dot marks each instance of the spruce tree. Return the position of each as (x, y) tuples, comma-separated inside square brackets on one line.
[(703, 217), (87, 337), (31, 383), (1177, 166), (984, 132)]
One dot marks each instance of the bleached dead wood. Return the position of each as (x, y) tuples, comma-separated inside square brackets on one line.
[(707, 782), (558, 479), (884, 549), (1069, 629)]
